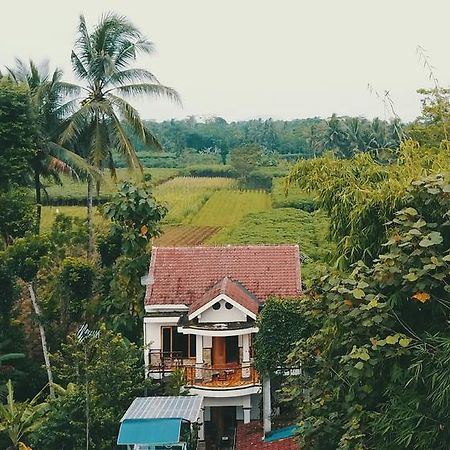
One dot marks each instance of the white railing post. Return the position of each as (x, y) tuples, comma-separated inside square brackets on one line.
[(198, 357), (246, 356)]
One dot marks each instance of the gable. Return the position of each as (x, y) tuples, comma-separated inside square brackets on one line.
[(222, 309)]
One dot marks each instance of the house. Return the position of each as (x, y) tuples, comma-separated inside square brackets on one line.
[(201, 306)]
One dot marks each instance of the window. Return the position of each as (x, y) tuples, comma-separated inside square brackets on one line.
[(177, 344)]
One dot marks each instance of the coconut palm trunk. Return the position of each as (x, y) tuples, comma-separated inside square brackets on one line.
[(37, 188), (37, 311), (90, 215)]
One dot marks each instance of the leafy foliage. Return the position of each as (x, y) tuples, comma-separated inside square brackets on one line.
[(360, 195), (281, 324), (19, 420), (18, 138), (17, 214), (365, 371), (109, 369)]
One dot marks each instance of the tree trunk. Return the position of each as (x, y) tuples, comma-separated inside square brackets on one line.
[(90, 250), (37, 187), (37, 311)]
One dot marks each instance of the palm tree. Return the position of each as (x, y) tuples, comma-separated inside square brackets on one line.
[(51, 102), (19, 419), (49, 94), (101, 60)]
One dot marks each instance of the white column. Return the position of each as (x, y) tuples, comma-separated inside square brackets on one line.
[(198, 357), (201, 430), (247, 407), (146, 351), (267, 407), (246, 356)]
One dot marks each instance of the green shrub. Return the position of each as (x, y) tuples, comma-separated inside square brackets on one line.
[(293, 198), (209, 170)]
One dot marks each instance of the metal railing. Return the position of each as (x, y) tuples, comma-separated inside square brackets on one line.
[(203, 375), (228, 376)]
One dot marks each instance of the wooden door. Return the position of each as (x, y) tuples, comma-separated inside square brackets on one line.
[(219, 351)]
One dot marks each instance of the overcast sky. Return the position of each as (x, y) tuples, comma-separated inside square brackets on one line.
[(240, 59)]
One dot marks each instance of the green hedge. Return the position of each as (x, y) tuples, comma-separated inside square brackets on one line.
[(209, 170), (295, 197)]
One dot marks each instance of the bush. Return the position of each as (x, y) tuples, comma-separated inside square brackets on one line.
[(209, 170), (293, 198)]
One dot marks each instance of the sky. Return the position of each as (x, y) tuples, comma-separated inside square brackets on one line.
[(243, 59)]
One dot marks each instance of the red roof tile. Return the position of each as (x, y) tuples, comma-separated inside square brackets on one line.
[(231, 288), (249, 437), (182, 275)]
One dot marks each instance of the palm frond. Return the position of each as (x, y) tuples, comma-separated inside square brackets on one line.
[(131, 76), (129, 50), (123, 144), (78, 122), (83, 43), (78, 67), (133, 120), (75, 161), (157, 90)]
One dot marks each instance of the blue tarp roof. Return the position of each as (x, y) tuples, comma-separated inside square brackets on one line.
[(157, 420), (281, 433), (149, 431)]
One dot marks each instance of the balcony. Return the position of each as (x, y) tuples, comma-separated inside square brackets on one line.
[(233, 375), (222, 377)]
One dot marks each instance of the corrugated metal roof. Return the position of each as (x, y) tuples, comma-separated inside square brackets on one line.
[(183, 407)]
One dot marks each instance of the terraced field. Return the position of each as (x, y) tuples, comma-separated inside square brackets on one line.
[(228, 207), (184, 196), (72, 189), (184, 235)]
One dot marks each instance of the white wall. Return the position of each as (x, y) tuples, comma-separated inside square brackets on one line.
[(222, 314)]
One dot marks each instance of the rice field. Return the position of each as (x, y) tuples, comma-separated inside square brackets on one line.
[(184, 196), (49, 214), (227, 207), (72, 189), (185, 235)]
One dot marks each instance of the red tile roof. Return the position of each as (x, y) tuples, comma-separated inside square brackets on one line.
[(182, 275), (249, 437), (231, 288)]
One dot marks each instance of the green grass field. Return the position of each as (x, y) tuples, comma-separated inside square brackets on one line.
[(293, 198), (184, 196), (283, 226), (49, 214), (212, 211), (72, 189), (227, 207)]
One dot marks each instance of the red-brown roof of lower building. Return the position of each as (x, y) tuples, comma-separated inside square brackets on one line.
[(182, 275), (232, 289), (250, 437)]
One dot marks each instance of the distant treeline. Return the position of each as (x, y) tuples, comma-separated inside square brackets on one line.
[(300, 138)]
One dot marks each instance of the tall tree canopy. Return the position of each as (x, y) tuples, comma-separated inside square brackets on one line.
[(18, 139)]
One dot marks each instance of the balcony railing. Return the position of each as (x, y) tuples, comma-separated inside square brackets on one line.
[(213, 376), (230, 376)]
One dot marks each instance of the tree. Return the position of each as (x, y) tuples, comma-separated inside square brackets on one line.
[(136, 218), (18, 138), (108, 371), (246, 158), (101, 60), (19, 420), (375, 368), (361, 194), (17, 215), (51, 101), (25, 258)]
